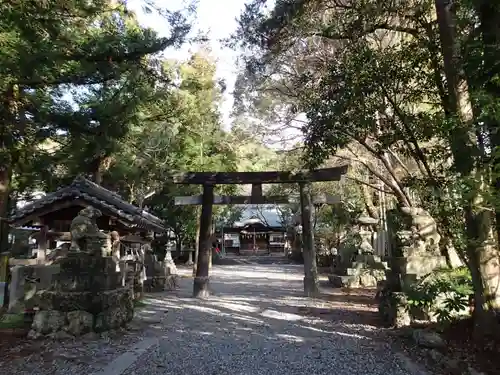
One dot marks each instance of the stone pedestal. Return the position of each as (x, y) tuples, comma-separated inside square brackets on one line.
[(86, 272), (86, 296)]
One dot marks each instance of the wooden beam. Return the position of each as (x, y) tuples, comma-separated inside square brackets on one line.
[(269, 177), (236, 199), (240, 199)]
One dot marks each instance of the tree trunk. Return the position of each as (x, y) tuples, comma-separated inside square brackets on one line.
[(482, 251), (8, 112), (309, 252), (201, 280), (368, 201), (489, 15), (4, 207)]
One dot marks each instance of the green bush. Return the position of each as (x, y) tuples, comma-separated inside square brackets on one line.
[(452, 286)]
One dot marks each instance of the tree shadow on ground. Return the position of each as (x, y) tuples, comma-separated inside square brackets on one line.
[(266, 301), (256, 317), (254, 310)]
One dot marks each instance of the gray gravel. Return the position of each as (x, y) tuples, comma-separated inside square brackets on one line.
[(258, 323)]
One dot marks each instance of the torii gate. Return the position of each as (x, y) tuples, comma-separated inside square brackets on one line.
[(256, 179)]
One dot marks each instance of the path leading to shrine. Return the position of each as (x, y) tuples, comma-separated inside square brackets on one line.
[(257, 322)]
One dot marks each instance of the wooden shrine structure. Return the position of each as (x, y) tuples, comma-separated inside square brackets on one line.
[(256, 179), (252, 237), (51, 215)]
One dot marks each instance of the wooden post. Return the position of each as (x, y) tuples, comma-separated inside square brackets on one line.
[(42, 245), (201, 280), (4, 277), (309, 252), (196, 246), (213, 238)]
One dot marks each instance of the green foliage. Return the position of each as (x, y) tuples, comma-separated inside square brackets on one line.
[(445, 292), (12, 321), (50, 48)]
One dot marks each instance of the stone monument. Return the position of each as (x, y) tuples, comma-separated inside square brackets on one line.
[(86, 294)]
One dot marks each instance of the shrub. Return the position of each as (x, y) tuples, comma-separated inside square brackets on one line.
[(446, 292)]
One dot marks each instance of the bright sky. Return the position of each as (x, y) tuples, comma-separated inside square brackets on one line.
[(218, 17)]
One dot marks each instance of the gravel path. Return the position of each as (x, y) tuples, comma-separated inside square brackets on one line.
[(256, 322)]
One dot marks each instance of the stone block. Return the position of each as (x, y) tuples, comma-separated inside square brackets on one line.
[(49, 321), (79, 322), (113, 318), (86, 272), (87, 301)]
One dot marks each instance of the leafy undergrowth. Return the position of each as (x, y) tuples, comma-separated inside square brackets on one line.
[(482, 355)]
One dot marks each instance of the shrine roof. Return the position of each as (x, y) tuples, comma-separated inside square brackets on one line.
[(82, 189)]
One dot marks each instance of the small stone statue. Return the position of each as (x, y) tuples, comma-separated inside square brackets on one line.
[(83, 228)]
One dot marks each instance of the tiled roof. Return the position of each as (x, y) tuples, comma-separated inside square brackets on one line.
[(97, 197)]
